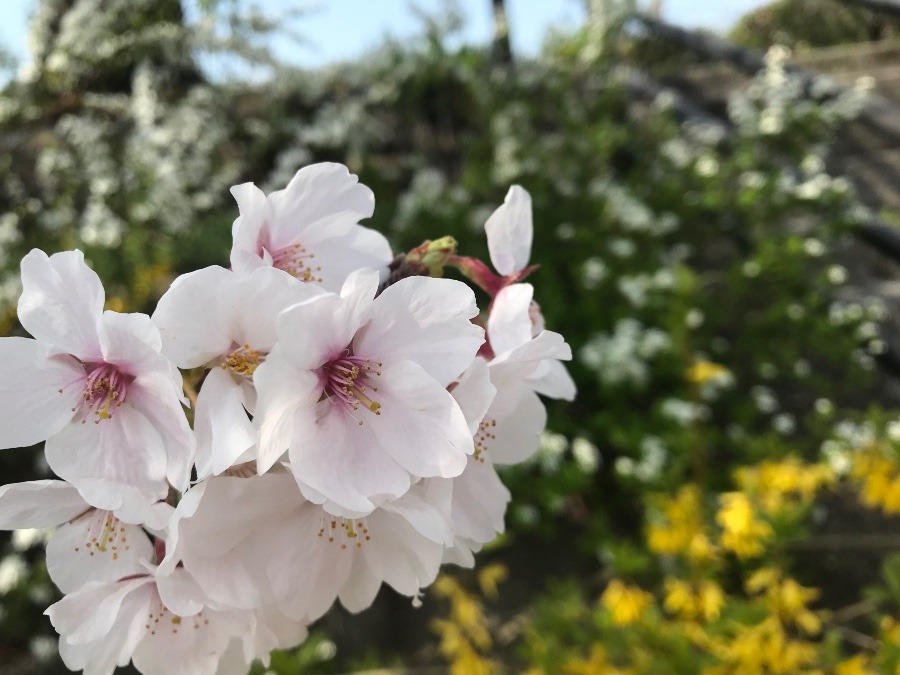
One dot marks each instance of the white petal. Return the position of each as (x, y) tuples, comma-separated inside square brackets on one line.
[(479, 502), (509, 231), (192, 644), (38, 504), (553, 380), (125, 449), (96, 547), (509, 323), (337, 257), (180, 593), (223, 430), (326, 567), (474, 393), (34, 407), (245, 254), (361, 588), (115, 647), (324, 197), (89, 614), (421, 425), (427, 507), (402, 557), (206, 312), (343, 461), (314, 332), (155, 396), (516, 434), (130, 341), (129, 504), (427, 321), (282, 389), (62, 300)]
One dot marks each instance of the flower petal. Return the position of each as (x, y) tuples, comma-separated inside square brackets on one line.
[(37, 394), (125, 449), (38, 504), (89, 613), (245, 254), (223, 430), (509, 232), (424, 320), (62, 300), (421, 425), (282, 389), (509, 323), (342, 461), (324, 196)]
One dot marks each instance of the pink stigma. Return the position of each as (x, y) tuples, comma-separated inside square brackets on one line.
[(105, 389), (348, 379)]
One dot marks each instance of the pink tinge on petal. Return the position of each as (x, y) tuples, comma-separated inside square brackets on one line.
[(105, 389)]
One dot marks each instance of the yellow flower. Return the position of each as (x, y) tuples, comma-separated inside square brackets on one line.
[(858, 665), (743, 533), (701, 372), (702, 601), (877, 469), (625, 603), (783, 482), (683, 531)]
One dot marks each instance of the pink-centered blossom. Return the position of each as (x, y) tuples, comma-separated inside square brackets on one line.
[(355, 390), (93, 384), (310, 229), (225, 321)]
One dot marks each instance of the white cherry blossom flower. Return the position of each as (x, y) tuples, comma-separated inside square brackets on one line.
[(90, 544), (355, 389), (256, 541), (93, 384), (163, 624), (310, 229), (514, 322), (225, 321)]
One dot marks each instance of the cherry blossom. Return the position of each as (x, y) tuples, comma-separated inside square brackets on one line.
[(355, 390), (349, 420), (93, 384), (225, 321), (310, 229), (256, 541)]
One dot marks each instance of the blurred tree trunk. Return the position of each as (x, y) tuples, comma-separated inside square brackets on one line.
[(501, 53)]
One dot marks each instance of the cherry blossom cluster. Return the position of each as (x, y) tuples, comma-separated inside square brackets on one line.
[(319, 419)]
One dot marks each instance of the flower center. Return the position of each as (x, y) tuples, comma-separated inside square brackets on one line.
[(159, 618), (348, 379), (105, 388), (345, 532), (105, 535), (243, 360), (296, 261), (483, 438)]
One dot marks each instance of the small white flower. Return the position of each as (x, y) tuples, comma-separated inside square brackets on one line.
[(837, 274), (824, 406)]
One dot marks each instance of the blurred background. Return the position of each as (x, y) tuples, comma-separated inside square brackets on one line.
[(716, 199)]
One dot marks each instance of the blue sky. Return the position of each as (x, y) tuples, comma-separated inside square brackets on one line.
[(343, 29)]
